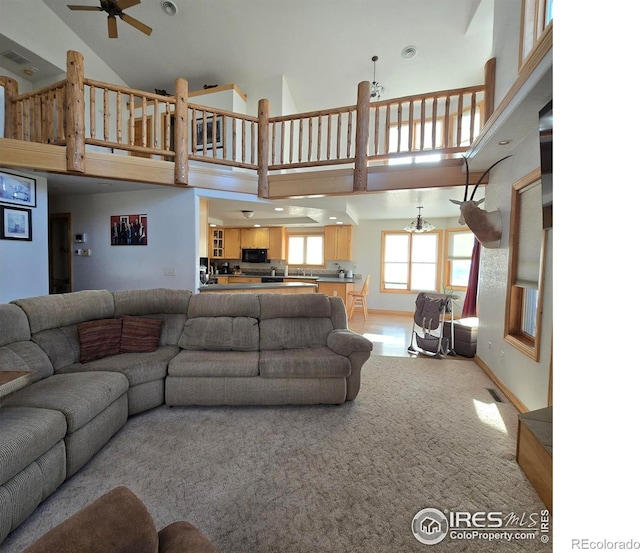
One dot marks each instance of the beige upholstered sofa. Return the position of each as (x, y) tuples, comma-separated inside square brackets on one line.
[(98, 357)]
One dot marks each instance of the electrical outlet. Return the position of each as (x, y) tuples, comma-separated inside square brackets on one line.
[(489, 344), (169, 271)]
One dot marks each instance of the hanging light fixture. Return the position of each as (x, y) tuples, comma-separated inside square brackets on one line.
[(376, 88), (419, 224)]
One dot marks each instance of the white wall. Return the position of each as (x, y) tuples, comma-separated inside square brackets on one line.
[(367, 247), (527, 379), (24, 264), (34, 26), (168, 261)]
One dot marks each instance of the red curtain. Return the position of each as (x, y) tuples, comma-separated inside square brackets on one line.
[(469, 307)]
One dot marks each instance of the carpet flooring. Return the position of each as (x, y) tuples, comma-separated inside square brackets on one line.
[(422, 433)]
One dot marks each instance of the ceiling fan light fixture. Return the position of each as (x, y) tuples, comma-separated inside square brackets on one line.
[(169, 7)]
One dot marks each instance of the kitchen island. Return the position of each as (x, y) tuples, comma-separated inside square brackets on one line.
[(262, 288)]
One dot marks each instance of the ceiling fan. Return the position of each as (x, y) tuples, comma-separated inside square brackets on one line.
[(115, 8)]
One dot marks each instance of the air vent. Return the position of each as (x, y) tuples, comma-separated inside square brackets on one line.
[(15, 57), (494, 395)]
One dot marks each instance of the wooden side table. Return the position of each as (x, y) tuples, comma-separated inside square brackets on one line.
[(12, 381)]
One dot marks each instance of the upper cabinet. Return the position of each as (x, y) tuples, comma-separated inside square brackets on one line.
[(337, 243), (232, 249), (254, 238), (277, 243)]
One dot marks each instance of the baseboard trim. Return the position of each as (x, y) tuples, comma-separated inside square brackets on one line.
[(521, 407), (387, 312)]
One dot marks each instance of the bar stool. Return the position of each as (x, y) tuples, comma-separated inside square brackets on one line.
[(359, 298)]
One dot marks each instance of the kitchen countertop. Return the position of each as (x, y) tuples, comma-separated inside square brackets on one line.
[(257, 286), (317, 278)]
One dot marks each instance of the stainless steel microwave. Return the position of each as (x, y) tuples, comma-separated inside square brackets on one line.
[(254, 255)]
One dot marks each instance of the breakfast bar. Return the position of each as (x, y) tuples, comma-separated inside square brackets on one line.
[(262, 288)]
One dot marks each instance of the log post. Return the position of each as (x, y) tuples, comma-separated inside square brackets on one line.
[(10, 107), (489, 88), (263, 148), (75, 112), (362, 137), (181, 136)]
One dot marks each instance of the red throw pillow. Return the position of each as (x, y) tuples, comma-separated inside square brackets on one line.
[(140, 335), (99, 339)]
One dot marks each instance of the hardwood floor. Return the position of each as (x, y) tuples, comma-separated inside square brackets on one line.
[(390, 334)]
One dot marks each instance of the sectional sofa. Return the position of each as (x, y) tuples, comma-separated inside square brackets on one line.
[(98, 357)]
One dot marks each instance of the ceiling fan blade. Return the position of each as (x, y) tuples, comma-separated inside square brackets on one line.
[(137, 24), (85, 8), (124, 4), (112, 26)]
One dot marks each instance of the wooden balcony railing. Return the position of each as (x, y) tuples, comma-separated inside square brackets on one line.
[(80, 112)]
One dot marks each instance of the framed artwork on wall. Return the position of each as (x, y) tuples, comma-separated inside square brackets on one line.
[(129, 230), (18, 190), (16, 223), (200, 138)]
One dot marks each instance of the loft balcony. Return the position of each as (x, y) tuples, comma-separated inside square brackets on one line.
[(84, 127)]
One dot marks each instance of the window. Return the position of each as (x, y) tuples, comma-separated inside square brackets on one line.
[(536, 18), (305, 249), (459, 249), (410, 261), (526, 266)]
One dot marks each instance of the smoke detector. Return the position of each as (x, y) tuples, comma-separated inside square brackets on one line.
[(409, 52), (247, 213), (169, 7)]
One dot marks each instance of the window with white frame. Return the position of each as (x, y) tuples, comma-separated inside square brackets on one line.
[(305, 249), (410, 261)]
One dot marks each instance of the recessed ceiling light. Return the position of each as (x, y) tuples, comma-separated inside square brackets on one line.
[(504, 142), (212, 225), (409, 52), (339, 223), (278, 208), (332, 218), (256, 225), (169, 7)]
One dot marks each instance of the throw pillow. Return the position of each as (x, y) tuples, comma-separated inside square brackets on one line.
[(99, 339), (140, 335)]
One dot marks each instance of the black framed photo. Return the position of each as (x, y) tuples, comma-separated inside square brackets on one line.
[(16, 223), (16, 189), (200, 138)]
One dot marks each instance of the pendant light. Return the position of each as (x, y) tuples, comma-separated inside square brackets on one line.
[(419, 224)]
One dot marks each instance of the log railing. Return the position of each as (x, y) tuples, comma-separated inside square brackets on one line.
[(78, 111)]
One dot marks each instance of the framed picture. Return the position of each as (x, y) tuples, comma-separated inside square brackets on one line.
[(16, 189), (200, 133), (16, 223), (129, 230)]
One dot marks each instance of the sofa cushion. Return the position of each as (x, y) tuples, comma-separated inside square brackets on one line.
[(275, 306), (14, 325), (99, 339), (26, 433), (319, 362), (61, 345), (25, 356), (224, 305), (220, 333), (139, 334), (139, 368), (80, 396), (57, 310), (215, 363), (147, 302), (294, 333)]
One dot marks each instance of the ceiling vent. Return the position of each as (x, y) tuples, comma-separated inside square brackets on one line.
[(15, 57)]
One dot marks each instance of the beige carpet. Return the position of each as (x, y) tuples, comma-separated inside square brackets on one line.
[(423, 433)]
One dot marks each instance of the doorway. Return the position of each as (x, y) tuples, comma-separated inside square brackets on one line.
[(60, 280)]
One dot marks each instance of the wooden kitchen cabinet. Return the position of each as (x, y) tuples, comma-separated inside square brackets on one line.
[(232, 248), (254, 238), (335, 289), (239, 279), (337, 243), (277, 243), (216, 243)]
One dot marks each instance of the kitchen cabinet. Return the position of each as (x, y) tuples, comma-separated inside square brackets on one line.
[(216, 243), (337, 243), (203, 241), (240, 279), (277, 243), (232, 248), (336, 289), (254, 238), (223, 279)]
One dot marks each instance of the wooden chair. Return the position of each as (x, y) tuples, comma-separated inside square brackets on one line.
[(359, 298)]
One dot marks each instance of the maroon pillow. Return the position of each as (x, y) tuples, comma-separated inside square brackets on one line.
[(99, 339), (140, 335)]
